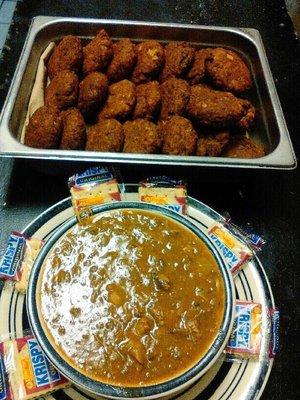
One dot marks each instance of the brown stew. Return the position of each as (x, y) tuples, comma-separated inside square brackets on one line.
[(132, 299)]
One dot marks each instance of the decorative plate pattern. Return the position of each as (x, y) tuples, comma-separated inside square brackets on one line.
[(225, 380)]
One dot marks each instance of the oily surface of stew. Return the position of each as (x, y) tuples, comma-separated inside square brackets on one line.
[(132, 299)]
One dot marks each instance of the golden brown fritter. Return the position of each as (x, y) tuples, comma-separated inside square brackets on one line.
[(107, 135), (212, 144), (150, 60), (249, 115), (62, 91), (141, 136), (67, 55), (73, 134), (120, 102), (197, 73), (44, 129), (179, 58), (123, 62), (147, 101), (228, 71), (214, 108), (98, 53), (175, 94), (243, 147), (92, 93), (179, 136)]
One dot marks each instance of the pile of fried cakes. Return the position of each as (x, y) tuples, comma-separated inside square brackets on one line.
[(145, 98)]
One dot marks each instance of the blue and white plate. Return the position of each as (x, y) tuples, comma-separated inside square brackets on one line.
[(225, 380)]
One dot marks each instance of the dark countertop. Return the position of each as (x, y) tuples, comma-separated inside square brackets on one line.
[(266, 200)]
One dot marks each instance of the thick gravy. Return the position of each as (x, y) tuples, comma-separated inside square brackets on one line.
[(132, 299)]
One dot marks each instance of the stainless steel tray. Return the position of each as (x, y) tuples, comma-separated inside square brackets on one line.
[(270, 128)]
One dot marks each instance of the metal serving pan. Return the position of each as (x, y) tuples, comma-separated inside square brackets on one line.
[(270, 128)]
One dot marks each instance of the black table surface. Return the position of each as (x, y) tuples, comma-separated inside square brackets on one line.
[(268, 201)]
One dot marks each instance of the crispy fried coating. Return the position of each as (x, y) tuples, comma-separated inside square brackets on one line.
[(98, 53), (67, 55), (179, 136), (249, 115), (147, 101), (243, 147), (197, 73), (212, 144), (92, 93), (214, 108), (73, 134), (123, 62), (228, 71), (62, 91), (107, 135), (120, 102), (44, 128), (141, 136), (179, 58), (150, 60), (175, 94)]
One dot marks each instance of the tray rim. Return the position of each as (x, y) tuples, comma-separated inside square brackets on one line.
[(11, 147)]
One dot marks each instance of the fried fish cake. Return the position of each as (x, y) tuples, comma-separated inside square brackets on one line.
[(107, 135), (228, 71), (212, 144), (141, 136), (249, 115), (44, 128), (179, 58), (62, 91), (92, 93), (197, 72), (120, 102), (73, 134), (178, 135), (243, 147), (175, 95), (147, 100), (150, 60), (123, 62), (98, 53), (214, 108), (67, 55)]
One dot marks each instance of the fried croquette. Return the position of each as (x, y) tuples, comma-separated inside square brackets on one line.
[(197, 73), (179, 136), (214, 108), (98, 53), (228, 71), (147, 101), (243, 147), (175, 94), (44, 129), (249, 115), (67, 55), (179, 58), (150, 60), (62, 91), (92, 93), (123, 62), (73, 134), (107, 135), (120, 102), (141, 136), (212, 144)]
